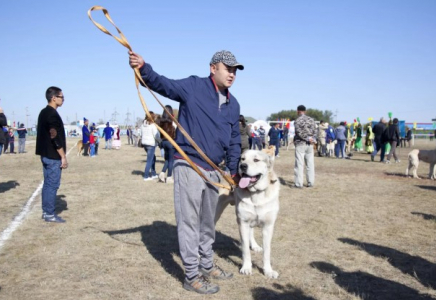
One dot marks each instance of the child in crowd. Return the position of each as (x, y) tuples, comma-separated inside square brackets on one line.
[(96, 140), (92, 144), (11, 141)]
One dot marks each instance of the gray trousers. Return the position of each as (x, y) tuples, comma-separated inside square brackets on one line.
[(21, 145), (195, 204), (304, 157)]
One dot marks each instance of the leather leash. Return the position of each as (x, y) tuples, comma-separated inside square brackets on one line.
[(138, 79)]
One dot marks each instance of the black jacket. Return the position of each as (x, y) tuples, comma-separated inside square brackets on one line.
[(3, 122), (378, 130), (50, 134), (393, 133)]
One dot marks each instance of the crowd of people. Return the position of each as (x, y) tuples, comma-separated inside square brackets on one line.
[(342, 140), (8, 134)]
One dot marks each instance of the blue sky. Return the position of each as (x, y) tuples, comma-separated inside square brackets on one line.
[(357, 58)]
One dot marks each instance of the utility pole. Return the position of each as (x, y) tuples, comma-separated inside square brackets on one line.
[(127, 117), (336, 116), (114, 116), (27, 117)]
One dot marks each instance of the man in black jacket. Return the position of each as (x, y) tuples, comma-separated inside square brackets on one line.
[(51, 146), (379, 144)]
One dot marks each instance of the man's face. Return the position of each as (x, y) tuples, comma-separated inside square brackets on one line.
[(59, 99), (223, 75)]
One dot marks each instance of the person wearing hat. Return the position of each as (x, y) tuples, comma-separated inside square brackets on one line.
[(108, 132), (305, 138), (51, 146), (210, 115), (85, 137), (22, 131)]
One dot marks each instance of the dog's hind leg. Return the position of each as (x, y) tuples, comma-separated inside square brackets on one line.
[(223, 201), (253, 244), (415, 170), (431, 175), (267, 233)]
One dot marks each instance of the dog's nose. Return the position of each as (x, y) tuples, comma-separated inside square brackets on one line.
[(243, 167)]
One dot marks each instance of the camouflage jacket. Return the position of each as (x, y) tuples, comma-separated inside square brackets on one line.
[(305, 128)]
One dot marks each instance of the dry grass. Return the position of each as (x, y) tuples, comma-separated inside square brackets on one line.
[(365, 231)]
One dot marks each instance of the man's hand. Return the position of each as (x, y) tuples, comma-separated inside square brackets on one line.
[(135, 60), (64, 163)]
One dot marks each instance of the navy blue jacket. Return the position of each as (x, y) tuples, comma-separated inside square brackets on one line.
[(215, 129), (108, 132), (274, 135)]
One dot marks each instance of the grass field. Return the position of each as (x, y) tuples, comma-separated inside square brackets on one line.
[(365, 231)]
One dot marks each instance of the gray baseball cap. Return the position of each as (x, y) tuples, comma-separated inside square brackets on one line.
[(227, 58)]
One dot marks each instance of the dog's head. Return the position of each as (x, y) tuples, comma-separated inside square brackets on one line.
[(256, 170)]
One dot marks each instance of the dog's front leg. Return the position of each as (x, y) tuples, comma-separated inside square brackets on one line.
[(244, 231), (267, 233)]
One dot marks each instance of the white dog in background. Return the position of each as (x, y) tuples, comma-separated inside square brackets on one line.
[(428, 156), (256, 202)]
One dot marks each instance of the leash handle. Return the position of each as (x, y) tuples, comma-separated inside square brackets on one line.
[(138, 79)]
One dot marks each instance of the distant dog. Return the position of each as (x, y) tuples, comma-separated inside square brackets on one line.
[(79, 147), (256, 201), (331, 149), (428, 156)]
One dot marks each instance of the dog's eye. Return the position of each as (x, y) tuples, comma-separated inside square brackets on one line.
[(243, 158), (256, 160)]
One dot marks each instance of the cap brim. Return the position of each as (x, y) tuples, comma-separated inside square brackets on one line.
[(239, 67)]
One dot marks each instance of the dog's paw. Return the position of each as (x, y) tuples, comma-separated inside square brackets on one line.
[(256, 248), (272, 274), (245, 270)]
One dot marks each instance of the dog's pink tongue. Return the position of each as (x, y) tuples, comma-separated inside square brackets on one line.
[(244, 182)]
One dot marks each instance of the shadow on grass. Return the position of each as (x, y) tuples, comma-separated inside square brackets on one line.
[(368, 286), (396, 174), (61, 204), (137, 173), (6, 186), (421, 269), (160, 239), (284, 293), (285, 182), (425, 216), (427, 187)]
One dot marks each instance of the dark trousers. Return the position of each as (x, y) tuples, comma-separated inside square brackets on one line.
[(85, 149), (169, 157), (379, 146), (52, 180)]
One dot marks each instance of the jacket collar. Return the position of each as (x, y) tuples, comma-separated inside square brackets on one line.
[(217, 90)]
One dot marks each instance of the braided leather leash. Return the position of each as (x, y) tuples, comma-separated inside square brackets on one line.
[(138, 79)]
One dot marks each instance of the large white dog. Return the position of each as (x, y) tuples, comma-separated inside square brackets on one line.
[(256, 201), (428, 156)]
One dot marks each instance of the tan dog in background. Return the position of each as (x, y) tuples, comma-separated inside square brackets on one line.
[(256, 201), (416, 155), (79, 147)]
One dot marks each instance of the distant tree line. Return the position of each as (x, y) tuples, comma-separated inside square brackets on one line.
[(316, 114)]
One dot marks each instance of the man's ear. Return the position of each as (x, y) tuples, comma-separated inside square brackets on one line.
[(213, 69)]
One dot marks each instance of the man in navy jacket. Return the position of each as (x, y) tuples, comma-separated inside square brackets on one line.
[(210, 115)]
